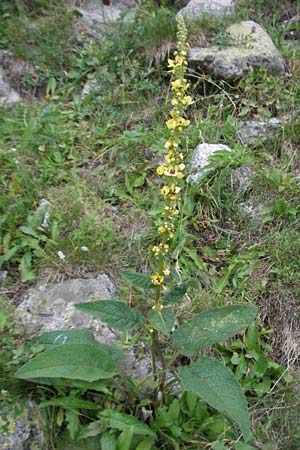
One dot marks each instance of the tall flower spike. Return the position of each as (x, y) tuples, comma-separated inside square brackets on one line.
[(173, 169)]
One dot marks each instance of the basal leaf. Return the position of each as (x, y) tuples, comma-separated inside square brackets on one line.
[(212, 326), (108, 441), (162, 321), (140, 280), (218, 386), (115, 313), (121, 421), (175, 295), (59, 337), (88, 362), (125, 439)]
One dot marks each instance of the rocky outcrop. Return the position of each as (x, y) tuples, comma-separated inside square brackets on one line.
[(95, 15), (249, 47), (198, 8), (200, 159), (21, 427), (49, 307), (254, 131)]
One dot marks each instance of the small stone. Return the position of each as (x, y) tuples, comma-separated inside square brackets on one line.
[(90, 87), (250, 48), (198, 8), (200, 159)]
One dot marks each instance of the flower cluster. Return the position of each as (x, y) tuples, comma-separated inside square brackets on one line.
[(172, 170)]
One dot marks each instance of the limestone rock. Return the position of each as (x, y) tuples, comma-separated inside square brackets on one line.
[(200, 159), (250, 47), (96, 16), (198, 8), (8, 95), (22, 427), (258, 130), (90, 86), (51, 307)]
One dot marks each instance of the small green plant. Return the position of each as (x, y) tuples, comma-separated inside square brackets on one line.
[(76, 357)]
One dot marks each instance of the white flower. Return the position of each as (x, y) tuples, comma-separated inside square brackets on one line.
[(61, 255), (84, 249)]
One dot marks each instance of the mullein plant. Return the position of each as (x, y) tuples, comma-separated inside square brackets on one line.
[(70, 355)]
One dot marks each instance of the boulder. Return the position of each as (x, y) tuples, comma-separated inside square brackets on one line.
[(48, 307), (198, 8), (96, 16), (254, 131), (21, 427), (200, 159), (249, 47)]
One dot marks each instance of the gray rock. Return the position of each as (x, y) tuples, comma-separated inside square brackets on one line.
[(251, 211), (242, 178), (8, 95), (253, 131), (200, 159), (89, 87), (96, 16), (22, 427), (49, 307), (198, 8), (250, 47)]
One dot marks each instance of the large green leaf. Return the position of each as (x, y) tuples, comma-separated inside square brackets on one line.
[(162, 321), (212, 326), (88, 362), (140, 280), (115, 313), (218, 386), (175, 295), (121, 421), (59, 337)]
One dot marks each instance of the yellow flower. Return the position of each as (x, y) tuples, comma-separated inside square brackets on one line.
[(161, 169), (161, 230), (157, 279), (158, 308), (165, 190), (187, 100), (166, 271)]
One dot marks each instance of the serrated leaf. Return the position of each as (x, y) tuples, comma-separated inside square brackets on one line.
[(121, 421), (108, 442), (125, 439), (88, 362), (115, 313), (59, 337), (139, 280), (175, 295), (218, 386), (162, 320), (212, 326)]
